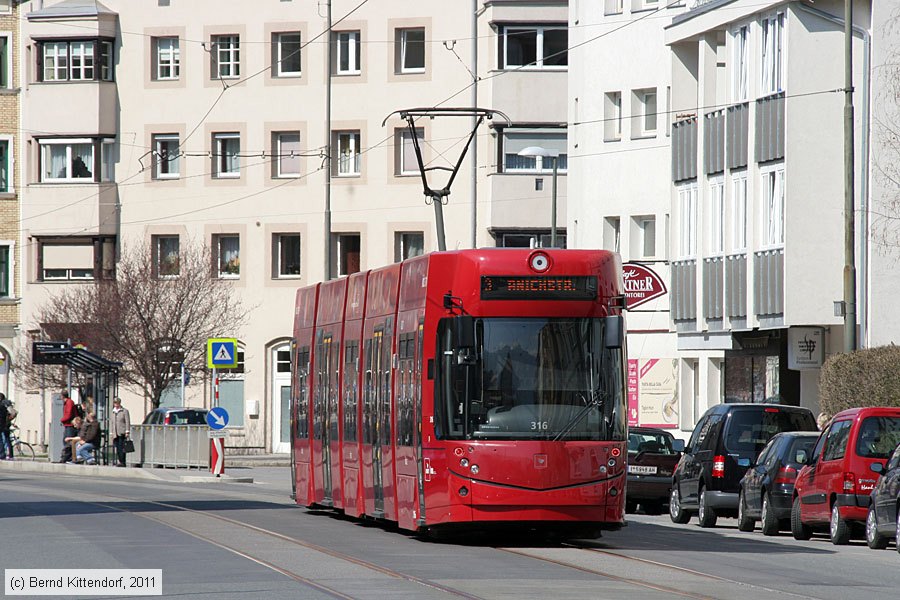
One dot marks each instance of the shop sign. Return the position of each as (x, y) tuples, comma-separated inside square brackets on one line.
[(641, 285), (806, 348)]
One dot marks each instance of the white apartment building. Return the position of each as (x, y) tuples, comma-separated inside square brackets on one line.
[(205, 120), (755, 188), (619, 149)]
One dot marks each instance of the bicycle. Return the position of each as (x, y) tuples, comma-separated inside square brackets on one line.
[(21, 449)]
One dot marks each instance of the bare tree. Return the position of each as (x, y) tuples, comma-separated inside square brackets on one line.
[(152, 316)]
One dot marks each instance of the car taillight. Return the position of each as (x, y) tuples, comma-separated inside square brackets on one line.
[(168, 420), (786, 475), (849, 483), (718, 467)]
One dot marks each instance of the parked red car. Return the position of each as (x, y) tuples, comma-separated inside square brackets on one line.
[(832, 490)]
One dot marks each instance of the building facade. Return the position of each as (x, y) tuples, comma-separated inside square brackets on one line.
[(208, 122), (10, 244)]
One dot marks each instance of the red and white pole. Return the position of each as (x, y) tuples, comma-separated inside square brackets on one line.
[(217, 456)]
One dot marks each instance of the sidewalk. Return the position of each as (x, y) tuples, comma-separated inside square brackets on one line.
[(268, 468)]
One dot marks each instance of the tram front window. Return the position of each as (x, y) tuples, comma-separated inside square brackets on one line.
[(531, 378)]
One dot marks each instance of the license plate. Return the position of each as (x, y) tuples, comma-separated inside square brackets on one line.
[(641, 470)]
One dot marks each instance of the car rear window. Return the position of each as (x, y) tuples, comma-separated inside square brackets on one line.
[(656, 443), (801, 447), (750, 430), (187, 417), (878, 436)]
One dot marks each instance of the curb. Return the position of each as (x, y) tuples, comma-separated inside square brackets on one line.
[(28, 466)]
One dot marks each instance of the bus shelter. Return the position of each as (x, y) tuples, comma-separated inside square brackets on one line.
[(101, 374)]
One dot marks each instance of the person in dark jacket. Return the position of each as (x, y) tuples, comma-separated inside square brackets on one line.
[(119, 429), (88, 439), (5, 445), (69, 414)]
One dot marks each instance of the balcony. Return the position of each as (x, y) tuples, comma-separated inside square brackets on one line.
[(770, 128), (90, 107), (736, 286), (713, 286), (684, 290), (714, 141), (768, 293), (737, 130), (89, 208)]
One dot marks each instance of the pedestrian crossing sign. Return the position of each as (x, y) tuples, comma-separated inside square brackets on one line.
[(221, 353)]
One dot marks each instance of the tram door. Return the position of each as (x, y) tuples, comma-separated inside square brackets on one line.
[(385, 429), (328, 367), (375, 418), (418, 419)]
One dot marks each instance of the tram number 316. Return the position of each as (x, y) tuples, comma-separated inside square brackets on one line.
[(540, 425)]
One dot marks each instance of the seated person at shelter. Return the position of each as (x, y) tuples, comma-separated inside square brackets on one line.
[(88, 439)]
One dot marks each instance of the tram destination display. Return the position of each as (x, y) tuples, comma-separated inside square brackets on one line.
[(538, 287)]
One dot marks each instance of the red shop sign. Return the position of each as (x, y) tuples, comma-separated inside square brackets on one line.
[(641, 285)]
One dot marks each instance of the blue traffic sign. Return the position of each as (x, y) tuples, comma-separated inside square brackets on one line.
[(221, 353), (217, 418)]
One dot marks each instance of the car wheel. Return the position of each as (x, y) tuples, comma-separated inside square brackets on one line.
[(838, 528), (745, 523), (770, 524), (875, 540), (707, 515), (798, 529), (681, 516)]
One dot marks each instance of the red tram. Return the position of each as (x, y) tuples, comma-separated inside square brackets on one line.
[(465, 388)]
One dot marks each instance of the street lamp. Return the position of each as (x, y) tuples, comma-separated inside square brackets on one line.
[(534, 152)]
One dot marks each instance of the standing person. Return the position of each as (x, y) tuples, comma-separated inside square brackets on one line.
[(120, 430), (5, 442), (69, 413)]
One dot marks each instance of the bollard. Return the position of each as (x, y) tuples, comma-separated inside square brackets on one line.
[(217, 456)]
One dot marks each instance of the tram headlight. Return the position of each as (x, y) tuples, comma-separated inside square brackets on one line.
[(611, 463), (474, 469), (463, 491), (464, 462), (613, 492), (602, 470)]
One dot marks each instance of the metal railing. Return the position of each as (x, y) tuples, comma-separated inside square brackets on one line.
[(170, 445)]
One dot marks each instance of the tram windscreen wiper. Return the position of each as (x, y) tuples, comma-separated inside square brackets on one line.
[(595, 402)]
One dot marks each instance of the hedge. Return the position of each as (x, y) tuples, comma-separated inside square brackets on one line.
[(869, 377)]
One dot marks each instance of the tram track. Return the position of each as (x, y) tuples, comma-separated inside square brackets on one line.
[(168, 506)]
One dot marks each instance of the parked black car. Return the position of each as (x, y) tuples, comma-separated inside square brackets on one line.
[(176, 415), (726, 439), (883, 522), (767, 489), (652, 456)]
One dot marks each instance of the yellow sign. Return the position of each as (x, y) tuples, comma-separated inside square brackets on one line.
[(221, 353)]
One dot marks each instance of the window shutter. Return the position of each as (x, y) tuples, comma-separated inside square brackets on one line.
[(154, 59), (39, 50), (213, 59), (276, 67)]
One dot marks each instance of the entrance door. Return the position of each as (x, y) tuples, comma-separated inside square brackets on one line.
[(281, 399), (378, 422)]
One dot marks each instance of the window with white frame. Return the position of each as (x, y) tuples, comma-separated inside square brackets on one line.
[(107, 159), (411, 47), (687, 206), (76, 60), (739, 211), (228, 251), (67, 159), (6, 183), (287, 54), (716, 215), (287, 153), (168, 58), (612, 228), (517, 139), (286, 254), (6, 6), (638, 5), (166, 156), (6, 77), (408, 244), (167, 258), (646, 238), (347, 53), (772, 230), (6, 268), (226, 56), (69, 260), (406, 161), (740, 73), (612, 116), (772, 54), (226, 155), (644, 109), (613, 7), (348, 153), (534, 47)]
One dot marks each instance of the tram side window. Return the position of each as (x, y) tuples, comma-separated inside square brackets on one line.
[(405, 393), (386, 363), (448, 417), (368, 393), (351, 389), (302, 371)]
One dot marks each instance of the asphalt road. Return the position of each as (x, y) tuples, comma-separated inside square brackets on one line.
[(250, 541)]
